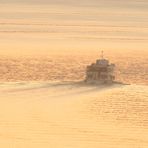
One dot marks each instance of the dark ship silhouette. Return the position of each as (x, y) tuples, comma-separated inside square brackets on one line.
[(101, 72)]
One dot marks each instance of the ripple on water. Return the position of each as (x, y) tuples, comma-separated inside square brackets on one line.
[(128, 104)]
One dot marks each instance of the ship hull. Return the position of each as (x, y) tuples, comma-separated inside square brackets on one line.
[(98, 82)]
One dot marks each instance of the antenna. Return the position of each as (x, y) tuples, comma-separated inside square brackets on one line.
[(102, 54)]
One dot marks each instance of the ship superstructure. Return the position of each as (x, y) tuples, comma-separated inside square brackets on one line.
[(100, 72)]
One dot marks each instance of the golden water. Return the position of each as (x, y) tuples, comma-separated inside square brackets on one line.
[(73, 115), (44, 43), (38, 109)]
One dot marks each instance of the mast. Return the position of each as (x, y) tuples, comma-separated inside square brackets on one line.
[(102, 54)]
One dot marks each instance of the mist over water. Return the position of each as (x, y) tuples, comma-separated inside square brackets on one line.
[(47, 100), (131, 67), (36, 114), (45, 47), (49, 26)]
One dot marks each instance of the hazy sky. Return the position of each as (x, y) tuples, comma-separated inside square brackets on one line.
[(47, 26)]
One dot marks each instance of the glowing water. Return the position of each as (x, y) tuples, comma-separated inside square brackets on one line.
[(73, 115), (67, 34)]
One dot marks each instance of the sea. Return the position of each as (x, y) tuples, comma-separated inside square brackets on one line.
[(45, 47), (44, 102)]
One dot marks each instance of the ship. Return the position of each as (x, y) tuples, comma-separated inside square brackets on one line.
[(101, 72)]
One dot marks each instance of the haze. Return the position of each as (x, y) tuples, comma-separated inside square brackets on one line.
[(69, 26)]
